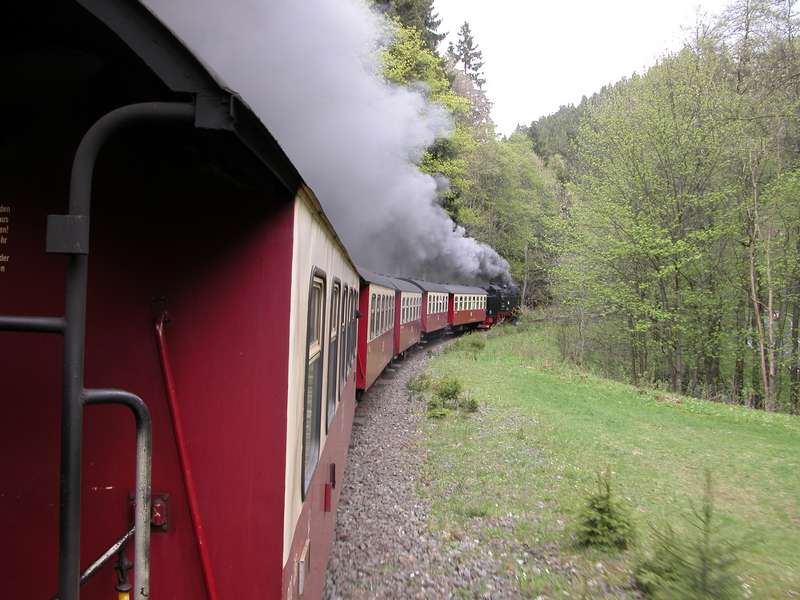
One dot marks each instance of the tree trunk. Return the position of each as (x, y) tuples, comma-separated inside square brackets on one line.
[(754, 285)]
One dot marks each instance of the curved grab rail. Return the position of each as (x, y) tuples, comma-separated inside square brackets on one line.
[(144, 453)]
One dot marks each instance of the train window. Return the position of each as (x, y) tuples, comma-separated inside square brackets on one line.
[(379, 324), (313, 387), (353, 324), (333, 353), (343, 334), (372, 318), (381, 306)]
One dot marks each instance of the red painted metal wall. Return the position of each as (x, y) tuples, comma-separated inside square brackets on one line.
[(468, 317), (405, 334), (222, 261), (431, 322), (314, 518), (375, 355)]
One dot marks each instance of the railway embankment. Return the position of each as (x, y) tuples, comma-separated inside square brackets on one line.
[(517, 476), (384, 546), (487, 504)]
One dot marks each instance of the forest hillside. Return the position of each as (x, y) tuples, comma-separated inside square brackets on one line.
[(658, 221)]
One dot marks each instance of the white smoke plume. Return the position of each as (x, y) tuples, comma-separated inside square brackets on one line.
[(310, 69)]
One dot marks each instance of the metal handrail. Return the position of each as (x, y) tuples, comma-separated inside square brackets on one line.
[(104, 557), (144, 452)]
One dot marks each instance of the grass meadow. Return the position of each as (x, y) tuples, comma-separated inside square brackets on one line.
[(519, 469)]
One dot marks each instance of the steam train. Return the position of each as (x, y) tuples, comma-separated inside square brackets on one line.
[(185, 398)]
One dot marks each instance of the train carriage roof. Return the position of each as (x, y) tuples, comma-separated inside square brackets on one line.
[(405, 286), (428, 286), (376, 278), (466, 289)]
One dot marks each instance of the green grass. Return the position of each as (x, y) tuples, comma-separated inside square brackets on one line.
[(545, 429)]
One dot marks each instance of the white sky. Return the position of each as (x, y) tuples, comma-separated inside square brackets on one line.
[(540, 54)]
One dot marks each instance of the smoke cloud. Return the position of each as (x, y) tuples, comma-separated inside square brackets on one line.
[(310, 70)]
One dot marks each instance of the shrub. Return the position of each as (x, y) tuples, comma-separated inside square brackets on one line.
[(435, 402), (468, 404), (419, 384), (692, 568), (605, 520), (448, 390), (437, 412)]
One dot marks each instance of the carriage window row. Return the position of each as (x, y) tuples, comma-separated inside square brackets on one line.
[(381, 314), (437, 303), (410, 306), (341, 347), (470, 302)]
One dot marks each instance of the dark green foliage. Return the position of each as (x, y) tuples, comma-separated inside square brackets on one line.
[(448, 390), (696, 566), (467, 54), (418, 14), (468, 404), (605, 521)]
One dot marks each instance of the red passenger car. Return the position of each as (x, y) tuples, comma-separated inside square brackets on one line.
[(467, 306), (408, 317), (434, 305), (216, 293), (375, 327)]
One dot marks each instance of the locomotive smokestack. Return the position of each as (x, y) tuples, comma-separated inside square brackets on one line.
[(311, 70)]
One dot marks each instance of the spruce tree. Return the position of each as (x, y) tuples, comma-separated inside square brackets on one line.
[(418, 14), (467, 54)]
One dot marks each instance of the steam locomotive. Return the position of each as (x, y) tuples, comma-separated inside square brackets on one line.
[(182, 332)]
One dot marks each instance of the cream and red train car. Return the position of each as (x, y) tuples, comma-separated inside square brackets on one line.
[(408, 315), (466, 306), (376, 327), (434, 306), (210, 287)]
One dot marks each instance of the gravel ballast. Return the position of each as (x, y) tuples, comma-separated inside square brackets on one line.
[(383, 548)]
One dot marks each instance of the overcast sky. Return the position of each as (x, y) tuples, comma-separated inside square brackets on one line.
[(540, 54)]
